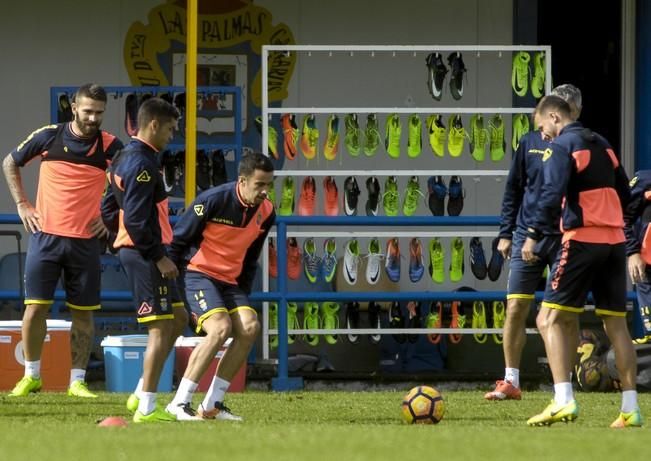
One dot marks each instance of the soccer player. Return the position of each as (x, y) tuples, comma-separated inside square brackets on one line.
[(65, 228), (522, 192), (638, 244), (583, 175), (221, 234), (144, 230)]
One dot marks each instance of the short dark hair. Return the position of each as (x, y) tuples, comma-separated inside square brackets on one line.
[(156, 109), (554, 103), (254, 161), (92, 91)]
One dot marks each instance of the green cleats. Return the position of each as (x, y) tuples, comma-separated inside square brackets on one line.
[(159, 415), (351, 139), (292, 321), (132, 403), (437, 134), (497, 142), (456, 260), (331, 146), (272, 137), (273, 325), (499, 318), (520, 73), (80, 389), (538, 79), (414, 140), (630, 419), (456, 135), (478, 138), (286, 207), (371, 135), (479, 320), (520, 128), (412, 195), (436, 269), (392, 135), (271, 194), (390, 198), (555, 413), (330, 320), (311, 322), (25, 386)]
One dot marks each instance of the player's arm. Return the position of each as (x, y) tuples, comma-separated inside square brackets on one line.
[(632, 213), (557, 168), (513, 193), (189, 228), (250, 263), (34, 145), (138, 202)]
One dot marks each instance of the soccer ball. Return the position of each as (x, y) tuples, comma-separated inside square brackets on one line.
[(423, 405)]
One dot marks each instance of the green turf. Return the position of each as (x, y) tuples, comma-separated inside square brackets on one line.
[(310, 426)]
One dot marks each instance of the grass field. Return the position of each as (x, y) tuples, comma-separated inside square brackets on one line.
[(314, 426)]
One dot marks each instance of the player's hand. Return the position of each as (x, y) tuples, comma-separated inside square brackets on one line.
[(637, 268), (504, 247), (528, 255), (167, 268), (29, 216), (98, 229)]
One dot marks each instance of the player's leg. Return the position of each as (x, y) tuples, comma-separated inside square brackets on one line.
[(567, 288), (610, 303), (245, 329), (42, 272), (523, 279), (82, 280), (210, 316), (151, 294)]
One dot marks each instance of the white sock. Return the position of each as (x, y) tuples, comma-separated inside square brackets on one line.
[(563, 393), (33, 369), (629, 401), (138, 390), (512, 375), (147, 402), (184, 392), (216, 393), (77, 374)]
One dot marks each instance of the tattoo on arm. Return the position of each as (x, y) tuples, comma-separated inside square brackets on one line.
[(14, 180)]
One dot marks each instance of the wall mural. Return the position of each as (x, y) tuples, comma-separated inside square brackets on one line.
[(231, 35)]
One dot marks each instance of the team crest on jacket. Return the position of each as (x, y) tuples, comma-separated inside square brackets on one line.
[(633, 181), (198, 210), (548, 153)]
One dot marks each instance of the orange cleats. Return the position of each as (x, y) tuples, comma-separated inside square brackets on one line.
[(504, 390), (306, 201), (290, 135), (273, 259), (331, 204)]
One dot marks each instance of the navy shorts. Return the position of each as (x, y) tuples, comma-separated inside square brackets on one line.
[(643, 291), (582, 267), (78, 259), (524, 278), (155, 297), (207, 296)]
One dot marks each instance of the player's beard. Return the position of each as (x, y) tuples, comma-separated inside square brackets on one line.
[(87, 129)]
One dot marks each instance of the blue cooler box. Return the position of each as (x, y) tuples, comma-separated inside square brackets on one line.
[(123, 359)]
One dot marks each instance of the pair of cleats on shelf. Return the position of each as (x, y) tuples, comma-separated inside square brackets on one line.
[(435, 319), (181, 412), (478, 264), (479, 320), (353, 320), (324, 316)]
